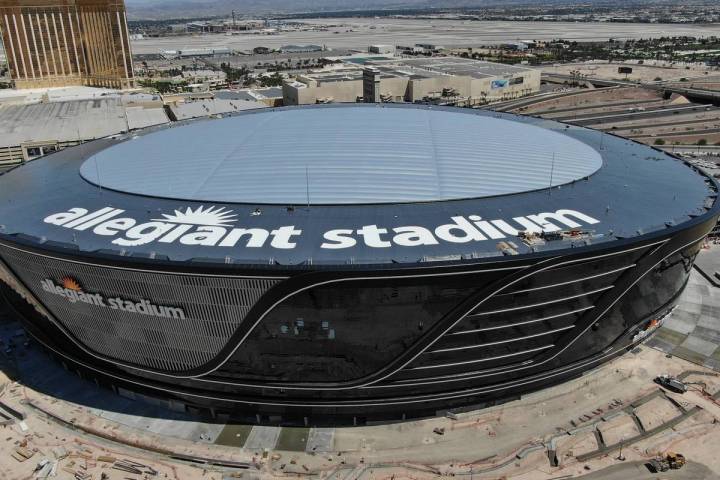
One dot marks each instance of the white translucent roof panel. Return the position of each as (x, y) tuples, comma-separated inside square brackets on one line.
[(347, 155)]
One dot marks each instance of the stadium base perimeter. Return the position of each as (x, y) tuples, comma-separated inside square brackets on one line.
[(348, 262)]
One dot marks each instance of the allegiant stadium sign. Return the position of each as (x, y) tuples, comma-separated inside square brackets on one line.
[(74, 293), (215, 227)]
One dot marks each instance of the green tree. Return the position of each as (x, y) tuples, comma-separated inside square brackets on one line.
[(274, 80)]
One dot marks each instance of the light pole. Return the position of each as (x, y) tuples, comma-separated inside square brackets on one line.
[(620, 456)]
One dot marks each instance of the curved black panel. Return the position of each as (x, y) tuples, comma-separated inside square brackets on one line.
[(344, 331), (157, 321), (419, 340), (351, 310), (458, 311)]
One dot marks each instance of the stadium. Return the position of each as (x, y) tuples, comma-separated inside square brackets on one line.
[(353, 262)]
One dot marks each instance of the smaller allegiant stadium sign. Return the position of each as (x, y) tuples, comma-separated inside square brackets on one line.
[(215, 227), (71, 290)]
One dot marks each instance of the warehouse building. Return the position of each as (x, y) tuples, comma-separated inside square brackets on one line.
[(30, 131), (301, 48), (433, 79), (382, 49)]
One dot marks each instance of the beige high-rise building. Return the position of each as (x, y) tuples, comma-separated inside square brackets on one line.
[(52, 43)]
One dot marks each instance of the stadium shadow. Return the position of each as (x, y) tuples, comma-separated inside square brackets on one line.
[(26, 361)]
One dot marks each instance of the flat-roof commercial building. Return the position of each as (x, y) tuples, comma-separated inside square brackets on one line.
[(367, 261), (270, 96), (382, 49), (33, 130), (52, 43), (415, 80), (301, 48), (197, 52)]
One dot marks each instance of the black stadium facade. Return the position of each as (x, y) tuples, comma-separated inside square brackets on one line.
[(353, 261)]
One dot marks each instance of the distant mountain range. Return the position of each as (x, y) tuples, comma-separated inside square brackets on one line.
[(185, 8), (175, 9)]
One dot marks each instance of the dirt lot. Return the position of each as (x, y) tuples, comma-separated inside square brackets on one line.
[(508, 441)]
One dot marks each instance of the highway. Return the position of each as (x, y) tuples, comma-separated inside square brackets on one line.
[(509, 105), (639, 126), (593, 119), (627, 103), (705, 131), (694, 94)]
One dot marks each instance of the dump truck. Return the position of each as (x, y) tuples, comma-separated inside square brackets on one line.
[(671, 383), (671, 461)]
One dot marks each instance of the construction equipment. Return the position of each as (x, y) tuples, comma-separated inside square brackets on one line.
[(671, 461), (671, 383)]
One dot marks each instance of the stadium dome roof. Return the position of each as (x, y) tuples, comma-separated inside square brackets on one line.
[(350, 155), (349, 184)]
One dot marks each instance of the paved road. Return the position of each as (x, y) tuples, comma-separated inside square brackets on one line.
[(638, 471), (592, 119), (693, 93), (692, 332), (667, 124), (624, 103), (705, 131)]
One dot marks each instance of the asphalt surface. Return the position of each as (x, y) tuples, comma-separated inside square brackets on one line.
[(705, 131), (361, 32), (612, 117), (638, 471), (666, 124), (692, 331)]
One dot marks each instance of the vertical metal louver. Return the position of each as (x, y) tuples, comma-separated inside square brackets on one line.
[(190, 319)]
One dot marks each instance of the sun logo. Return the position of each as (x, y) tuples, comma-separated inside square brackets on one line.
[(71, 284), (211, 216)]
